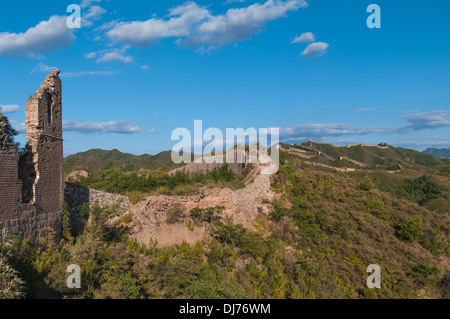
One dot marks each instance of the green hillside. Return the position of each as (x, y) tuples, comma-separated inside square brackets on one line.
[(374, 156), (97, 159), (325, 229)]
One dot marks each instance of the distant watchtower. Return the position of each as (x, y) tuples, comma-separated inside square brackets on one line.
[(43, 119)]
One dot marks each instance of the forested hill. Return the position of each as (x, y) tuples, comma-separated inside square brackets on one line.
[(98, 159)]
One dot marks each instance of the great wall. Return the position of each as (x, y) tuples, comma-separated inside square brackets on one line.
[(33, 188), (32, 183)]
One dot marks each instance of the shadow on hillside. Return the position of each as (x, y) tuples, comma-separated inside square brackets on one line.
[(77, 200)]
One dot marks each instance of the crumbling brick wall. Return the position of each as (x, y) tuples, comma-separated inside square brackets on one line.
[(10, 186), (31, 186)]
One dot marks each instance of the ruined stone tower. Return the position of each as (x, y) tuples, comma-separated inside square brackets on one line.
[(32, 185), (44, 132)]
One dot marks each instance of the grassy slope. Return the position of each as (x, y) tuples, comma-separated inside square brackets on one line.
[(317, 243), (97, 159), (340, 229)]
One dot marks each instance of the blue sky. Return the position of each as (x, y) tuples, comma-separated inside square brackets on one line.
[(136, 70)]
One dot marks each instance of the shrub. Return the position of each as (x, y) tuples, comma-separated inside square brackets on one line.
[(134, 196), (99, 225), (11, 285), (130, 286), (409, 230), (126, 219), (252, 243), (278, 211), (426, 274), (423, 189), (189, 225), (208, 215), (366, 185), (229, 233), (174, 213), (213, 289)]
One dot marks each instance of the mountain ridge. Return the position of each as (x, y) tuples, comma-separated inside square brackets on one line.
[(354, 157), (438, 152)]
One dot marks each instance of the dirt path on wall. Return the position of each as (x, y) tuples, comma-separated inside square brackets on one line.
[(149, 217)]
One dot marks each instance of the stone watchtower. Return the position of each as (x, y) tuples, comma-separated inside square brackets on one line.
[(31, 184), (43, 119)]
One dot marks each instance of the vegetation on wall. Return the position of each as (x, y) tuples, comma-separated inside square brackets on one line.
[(130, 183)]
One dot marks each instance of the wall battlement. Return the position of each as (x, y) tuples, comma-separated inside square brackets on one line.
[(31, 184)]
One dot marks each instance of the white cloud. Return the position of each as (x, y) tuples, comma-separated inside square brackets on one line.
[(87, 73), (193, 24), (47, 36), (43, 68), (145, 67), (120, 127), (426, 120), (423, 143), (91, 55), (315, 49), (142, 33), (47, 69), (364, 110), (86, 3), (115, 56), (322, 130), (234, 1), (153, 130), (94, 13), (415, 122), (241, 24), (18, 126), (304, 37), (9, 108)]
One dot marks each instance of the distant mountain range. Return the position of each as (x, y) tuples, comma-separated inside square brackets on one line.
[(439, 152), (356, 156), (382, 156)]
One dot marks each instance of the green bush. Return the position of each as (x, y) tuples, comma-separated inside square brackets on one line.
[(423, 189), (253, 244), (410, 229), (208, 215), (278, 211), (213, 289), (426, 274), (366, 185), (229, 233), (134, 196), (11, 285)]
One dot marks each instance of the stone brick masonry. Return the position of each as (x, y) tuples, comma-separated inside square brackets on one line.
[(31, 185)]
